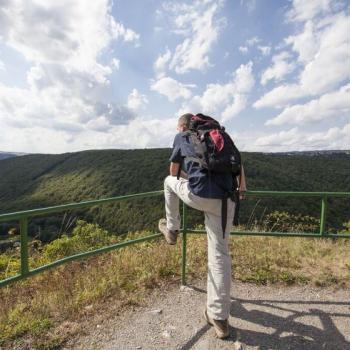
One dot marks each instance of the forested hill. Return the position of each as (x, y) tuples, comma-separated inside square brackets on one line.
[(41, 180)]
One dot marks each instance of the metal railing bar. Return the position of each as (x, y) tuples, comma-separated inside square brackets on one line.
[(70, 206), (323, 216), (279, 234), (12, 279), (295, 194), (24, 216), (86, 204), (79, 256), (184, 245), (24, 246)]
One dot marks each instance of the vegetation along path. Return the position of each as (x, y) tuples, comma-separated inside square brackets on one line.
[(262, 317)]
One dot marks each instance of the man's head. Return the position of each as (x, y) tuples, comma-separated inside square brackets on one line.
[(184, 122)]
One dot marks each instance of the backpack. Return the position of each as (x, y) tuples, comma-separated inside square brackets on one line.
[(214, 148), (216, 153)]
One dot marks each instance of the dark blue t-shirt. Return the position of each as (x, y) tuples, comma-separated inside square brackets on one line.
[(215, 186)]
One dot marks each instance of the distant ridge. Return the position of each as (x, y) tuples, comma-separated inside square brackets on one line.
[(4, 155), (309, 153)]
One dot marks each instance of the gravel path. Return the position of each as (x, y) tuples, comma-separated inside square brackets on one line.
[(262, 317)]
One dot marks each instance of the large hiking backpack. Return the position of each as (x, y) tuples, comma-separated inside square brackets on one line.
[(216, 153), (214, 148)]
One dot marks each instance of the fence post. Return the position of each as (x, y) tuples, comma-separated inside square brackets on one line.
[(23, 223), (184, 242), (323, 216)]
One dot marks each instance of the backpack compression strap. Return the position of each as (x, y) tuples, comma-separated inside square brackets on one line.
[(224, 215), (236, 197)]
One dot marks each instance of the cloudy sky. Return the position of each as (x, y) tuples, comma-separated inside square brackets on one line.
[(81, 74)]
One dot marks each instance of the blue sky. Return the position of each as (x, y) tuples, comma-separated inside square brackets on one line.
[(78, 75)]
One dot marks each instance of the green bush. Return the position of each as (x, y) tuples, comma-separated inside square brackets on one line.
[(9, 265), (285, 222), (85, 237), (346, 227)]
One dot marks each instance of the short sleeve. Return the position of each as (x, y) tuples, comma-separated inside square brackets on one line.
[(176, 156)]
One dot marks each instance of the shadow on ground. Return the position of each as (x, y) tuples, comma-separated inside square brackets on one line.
[(284, 324)]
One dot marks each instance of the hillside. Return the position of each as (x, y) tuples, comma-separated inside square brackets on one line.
[(41, 180)]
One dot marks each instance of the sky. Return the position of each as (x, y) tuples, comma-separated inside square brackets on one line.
[(81, 74)]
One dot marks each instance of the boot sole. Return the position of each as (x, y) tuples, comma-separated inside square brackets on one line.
[(162, 229), (223, 336)]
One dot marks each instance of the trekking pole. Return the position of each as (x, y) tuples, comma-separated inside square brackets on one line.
[(184, 242)]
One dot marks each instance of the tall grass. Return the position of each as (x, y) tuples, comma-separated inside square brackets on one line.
[(35, 309)]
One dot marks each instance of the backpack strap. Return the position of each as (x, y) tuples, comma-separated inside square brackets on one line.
[(201, 162), (237, 207), (224, 215), (199, 148), (237, 199)]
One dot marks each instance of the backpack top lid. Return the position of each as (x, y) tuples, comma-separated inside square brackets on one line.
[(203, 122)]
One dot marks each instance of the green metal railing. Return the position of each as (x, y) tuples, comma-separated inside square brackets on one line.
[(24, 216)]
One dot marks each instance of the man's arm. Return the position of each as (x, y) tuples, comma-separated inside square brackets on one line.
[(242, 184), (174, 169)]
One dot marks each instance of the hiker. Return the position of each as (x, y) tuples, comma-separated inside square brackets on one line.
[(193, 185)]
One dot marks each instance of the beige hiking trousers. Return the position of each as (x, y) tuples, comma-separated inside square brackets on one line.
[(219, 260)]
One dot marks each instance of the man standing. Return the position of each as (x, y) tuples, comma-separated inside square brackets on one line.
[(187, 181)]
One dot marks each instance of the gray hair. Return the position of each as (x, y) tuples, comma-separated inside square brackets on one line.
[(185, 120)]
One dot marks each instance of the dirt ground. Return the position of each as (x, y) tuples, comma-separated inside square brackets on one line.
[(262, 317)]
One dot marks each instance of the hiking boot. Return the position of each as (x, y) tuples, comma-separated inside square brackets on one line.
[(220, 326), (170, 235)]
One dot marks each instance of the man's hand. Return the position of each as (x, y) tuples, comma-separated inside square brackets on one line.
[(242, 195), (174, 168)]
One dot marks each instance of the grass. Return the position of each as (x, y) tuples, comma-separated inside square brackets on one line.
[(34, 310)]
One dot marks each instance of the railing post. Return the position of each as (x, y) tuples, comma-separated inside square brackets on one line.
[(323, 216), (184, 242), (24, 246)]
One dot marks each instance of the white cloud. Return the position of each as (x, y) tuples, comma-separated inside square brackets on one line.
[(253, 41), (306, 10), (331, 64), (161, 64), (323, 49), (279, 68), (139, 133), (280, 96), (243, 49), (100, 123), (331, 105), (66, 82), (61, 32), (2, 66), (198, 23), (265, 50), (115, 63), (137, 101), (306, 43), (296, 139), (250, 4), (224, 101), (126, 34), (171, 88)]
